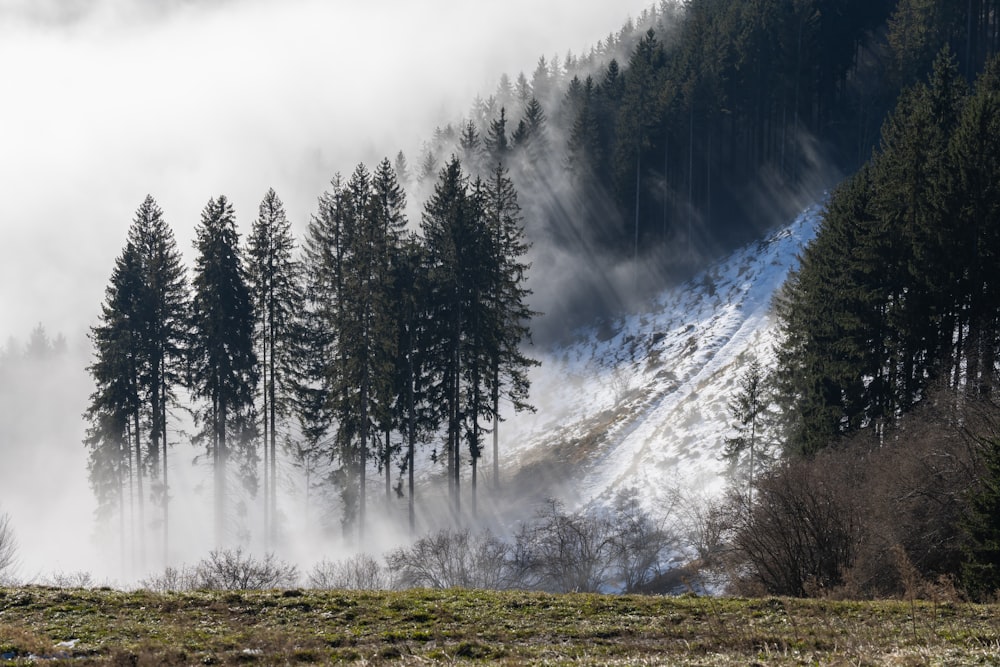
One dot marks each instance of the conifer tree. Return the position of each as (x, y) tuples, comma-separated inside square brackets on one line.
[(981, 547), (447, 229), (366, 335), (389, 222), (273, 282), (113, 435), (413, 414), (163, 318), (747, 407), (471, 146), (530, 137), (138, 350), (496, 143), (317, 397), (507, 295), (223, 362)]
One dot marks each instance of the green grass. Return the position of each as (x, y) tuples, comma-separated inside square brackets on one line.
[(309, 627)]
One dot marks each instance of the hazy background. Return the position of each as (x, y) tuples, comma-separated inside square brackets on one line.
[(104, 101)]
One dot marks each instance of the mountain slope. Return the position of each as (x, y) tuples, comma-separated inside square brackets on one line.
[(643, 402)]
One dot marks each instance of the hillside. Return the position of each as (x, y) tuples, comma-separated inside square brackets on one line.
[(643, 401)]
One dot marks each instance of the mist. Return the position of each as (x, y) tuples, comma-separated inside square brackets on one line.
[(109, 100)]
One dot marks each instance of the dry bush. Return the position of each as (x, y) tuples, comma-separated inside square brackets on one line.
[(78, 579), (561, 552), (172, 579), (448, 559), (8, 549), (232, 569), (870, 517), (360, 572), (638, 542), (802, 530), (915, 491)]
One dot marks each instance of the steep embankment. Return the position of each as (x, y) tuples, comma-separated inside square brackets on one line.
[(643, 402)]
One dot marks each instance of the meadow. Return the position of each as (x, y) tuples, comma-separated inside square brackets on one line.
[(111, 627)]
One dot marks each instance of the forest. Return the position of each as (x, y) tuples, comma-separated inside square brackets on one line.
[(865, 459)]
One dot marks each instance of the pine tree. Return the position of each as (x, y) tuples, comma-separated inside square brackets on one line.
[(447, 230), (273, 281), (222, 358), (114, 411), (413, 414), (318, 400), (471, 146), (968, 252), (496, 143), (162, 318), (507, 295), (981, 547), (389, 222), (530, 138), (366, 336), (138, 349), (747, 407)]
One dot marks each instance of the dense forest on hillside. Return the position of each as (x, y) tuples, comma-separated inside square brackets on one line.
[(884, 401), (695, 123)]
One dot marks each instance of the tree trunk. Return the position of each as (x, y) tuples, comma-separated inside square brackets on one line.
[(166, 485), (411, 437), (273, 486), (265, 415), (363, 458), (496, 425), (138, 470), (220, 472), (388, 471)]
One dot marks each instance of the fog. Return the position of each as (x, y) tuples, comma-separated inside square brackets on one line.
[(105, 101), (113, 101)]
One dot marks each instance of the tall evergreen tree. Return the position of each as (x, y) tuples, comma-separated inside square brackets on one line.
[(388, 218), (413, 414), (507, 296), (366, 337), (138, 349), (274, 287), (223, 361), (163, 318), (496, 143), (447, 227), (114, 411), (318, 397)]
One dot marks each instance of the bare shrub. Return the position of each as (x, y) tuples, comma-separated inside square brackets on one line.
[(448, 559), (915, 493), (871, 517), (232, 569), (8, 549), (172, 579), (621, 383), (802, 531), (360, 572), (561, 552), (78, 579), (638, 543)]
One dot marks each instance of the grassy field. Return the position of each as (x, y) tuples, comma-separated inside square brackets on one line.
[(89, 627)]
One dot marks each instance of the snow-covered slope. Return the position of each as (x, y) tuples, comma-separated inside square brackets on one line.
[(643, 402)]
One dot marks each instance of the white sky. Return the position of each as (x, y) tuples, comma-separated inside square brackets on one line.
[(104, 101)]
